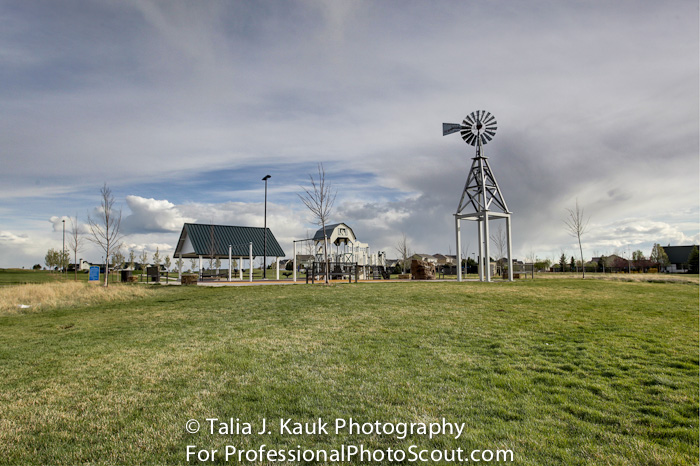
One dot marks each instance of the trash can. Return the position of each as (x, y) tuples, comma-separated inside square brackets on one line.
[(126, 276)]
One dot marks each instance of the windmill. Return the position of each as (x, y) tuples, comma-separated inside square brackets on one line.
[(481, 191)]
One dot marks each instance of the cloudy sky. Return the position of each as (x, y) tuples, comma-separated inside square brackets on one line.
[(182, 107)]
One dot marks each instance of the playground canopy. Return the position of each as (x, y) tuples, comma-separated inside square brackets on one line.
[(338, 233)]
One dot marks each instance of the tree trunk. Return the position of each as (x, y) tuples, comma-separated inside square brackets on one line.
[(325, 253), (106, 271)]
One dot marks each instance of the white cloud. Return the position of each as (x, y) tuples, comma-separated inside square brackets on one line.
[(635, 233), (23, 249), (7, 237), (151, 215)]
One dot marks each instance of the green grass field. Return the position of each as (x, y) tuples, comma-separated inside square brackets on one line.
[(568, 372), (24, 276)]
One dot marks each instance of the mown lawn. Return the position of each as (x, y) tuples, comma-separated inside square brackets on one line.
[(567, 372)]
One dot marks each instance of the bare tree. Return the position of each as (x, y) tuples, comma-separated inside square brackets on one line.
[(52, 258), (118, 259), (319, 200), (143, 258), (131, 259), (75, 241), (501, 242), (156, 257), (531, 257), (577, 224), (659, 257), (465, 255), (213, 246), (309, 246), (105, 226), (403, 250), (167, 263)]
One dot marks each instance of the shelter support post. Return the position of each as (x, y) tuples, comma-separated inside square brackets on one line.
[(294, 268), (229, 262), (179, 268), (250, 256), (277, 266), (200, 267)]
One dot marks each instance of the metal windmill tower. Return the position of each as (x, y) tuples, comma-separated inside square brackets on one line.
[(481, 191)]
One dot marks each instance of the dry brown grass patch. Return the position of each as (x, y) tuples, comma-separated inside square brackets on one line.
[(625, 277), (38, 297)]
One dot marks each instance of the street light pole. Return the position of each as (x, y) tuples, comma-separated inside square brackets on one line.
[(63, 256), (267, 177)]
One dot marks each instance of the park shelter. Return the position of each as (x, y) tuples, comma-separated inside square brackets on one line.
[(203, 241)]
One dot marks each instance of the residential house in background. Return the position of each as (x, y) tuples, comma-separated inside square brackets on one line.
[(425, 257), (304, 260), (677, 258), (443, 259)]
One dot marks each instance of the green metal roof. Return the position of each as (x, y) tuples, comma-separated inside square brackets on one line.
[(208, 240)]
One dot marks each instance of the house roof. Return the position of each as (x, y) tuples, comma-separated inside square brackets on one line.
[(678, 254), (206, 240)]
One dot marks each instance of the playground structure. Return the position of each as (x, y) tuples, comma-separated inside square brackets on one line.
[(346, 255)]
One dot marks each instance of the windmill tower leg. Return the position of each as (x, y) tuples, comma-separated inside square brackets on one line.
[(510, 250), (481, 251), (458, 234), (487, 260)]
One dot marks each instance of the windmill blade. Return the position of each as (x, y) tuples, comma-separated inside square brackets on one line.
[(468, 137), (449, 128), (489, 120), (471, 138)]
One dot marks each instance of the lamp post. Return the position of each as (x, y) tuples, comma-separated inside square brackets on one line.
[(63, 255), (267, 177)]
